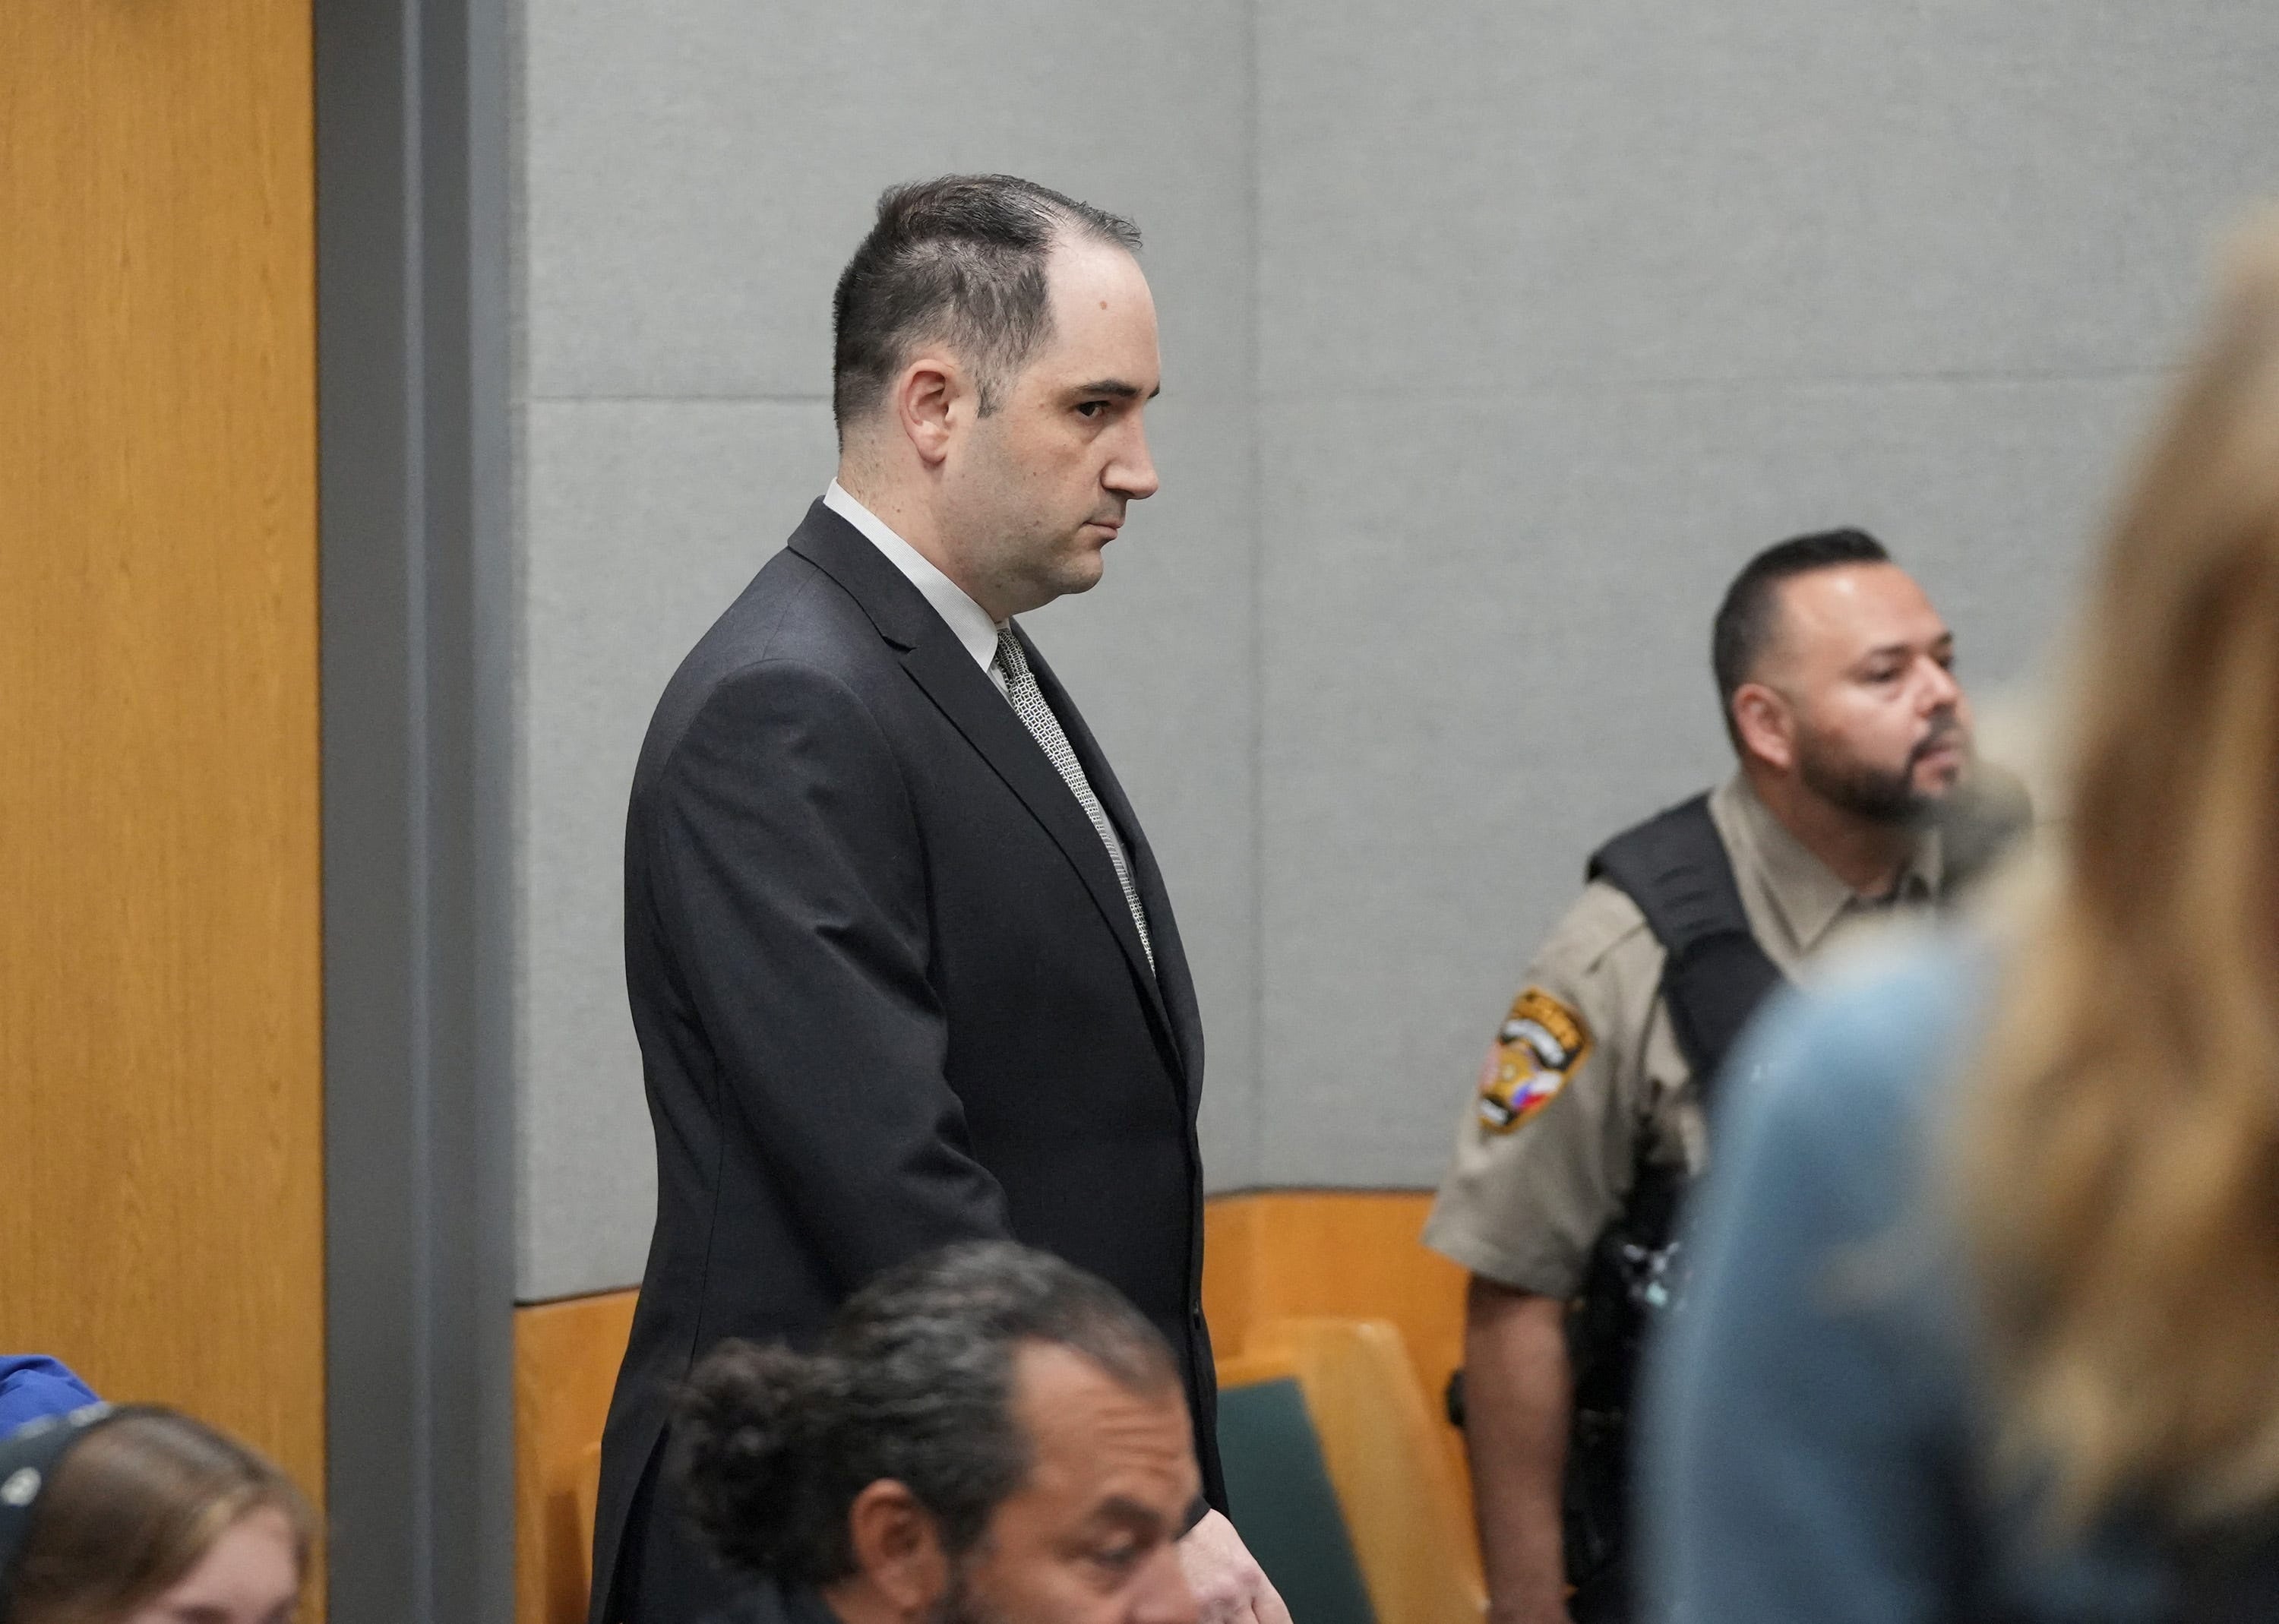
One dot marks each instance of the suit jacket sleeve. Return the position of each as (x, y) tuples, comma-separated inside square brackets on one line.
[(791, 892)]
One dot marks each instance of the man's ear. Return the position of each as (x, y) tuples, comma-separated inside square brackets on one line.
[(932, 399), (898, 1551), (1766, 724)]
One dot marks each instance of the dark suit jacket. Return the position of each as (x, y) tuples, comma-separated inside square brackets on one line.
[(888, 994)]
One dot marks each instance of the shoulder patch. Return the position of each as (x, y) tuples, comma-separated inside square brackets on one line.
[(1537, 1049)]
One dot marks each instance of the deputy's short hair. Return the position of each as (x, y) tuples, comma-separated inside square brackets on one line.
[(959, 259), (915, 1382), (1748, 619)]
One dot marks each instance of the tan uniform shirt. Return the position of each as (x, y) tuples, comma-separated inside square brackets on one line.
[(1585, 1067)]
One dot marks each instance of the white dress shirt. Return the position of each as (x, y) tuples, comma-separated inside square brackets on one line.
[(968, 619)]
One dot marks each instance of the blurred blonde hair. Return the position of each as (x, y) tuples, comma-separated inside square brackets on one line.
[(2118, 1163)]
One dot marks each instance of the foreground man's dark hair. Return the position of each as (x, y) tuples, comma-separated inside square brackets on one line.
[(915, 1383), (959, 259)]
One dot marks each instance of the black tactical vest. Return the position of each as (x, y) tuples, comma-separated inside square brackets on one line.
[(1675, 867)]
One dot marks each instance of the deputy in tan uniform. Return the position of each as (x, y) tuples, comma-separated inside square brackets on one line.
[(1837, 679)]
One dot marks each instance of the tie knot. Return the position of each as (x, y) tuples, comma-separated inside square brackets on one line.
[(1011, 660)]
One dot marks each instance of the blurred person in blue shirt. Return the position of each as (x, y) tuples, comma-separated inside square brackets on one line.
[(1985, 1320)]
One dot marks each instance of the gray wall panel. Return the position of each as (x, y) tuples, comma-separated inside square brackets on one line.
[(1486, 649), (693, 188), (1566, 307), (644, 519), (1495, 337), (1467, 190), (690, 192)]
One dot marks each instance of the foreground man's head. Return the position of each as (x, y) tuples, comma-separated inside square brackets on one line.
[(995, 350), (988, 1437)]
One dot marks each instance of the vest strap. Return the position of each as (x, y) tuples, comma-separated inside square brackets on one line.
[(1676, 868)]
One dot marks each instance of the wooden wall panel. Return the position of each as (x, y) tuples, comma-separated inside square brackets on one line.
[(1336, 1254), (1351, 1255), (159, 930), (565, 1363)]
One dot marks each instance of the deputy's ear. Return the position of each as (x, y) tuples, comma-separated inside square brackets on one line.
[(897, 1549), (931, 397), (1766, 724)]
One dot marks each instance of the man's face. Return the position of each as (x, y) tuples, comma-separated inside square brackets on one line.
[(1867, 667), (1090, 1537), (1036, 489)]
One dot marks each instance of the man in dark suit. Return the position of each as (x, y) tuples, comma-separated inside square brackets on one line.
[(901, 964)]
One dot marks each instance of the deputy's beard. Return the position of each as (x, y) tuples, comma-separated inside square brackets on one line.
[(1880, 795)]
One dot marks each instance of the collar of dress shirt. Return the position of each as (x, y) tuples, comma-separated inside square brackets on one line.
[(968, 619)]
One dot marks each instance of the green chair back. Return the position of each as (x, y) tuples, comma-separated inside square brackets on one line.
[(1285, 1505)]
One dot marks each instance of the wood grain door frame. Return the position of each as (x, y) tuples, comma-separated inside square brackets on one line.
[(412, 120)]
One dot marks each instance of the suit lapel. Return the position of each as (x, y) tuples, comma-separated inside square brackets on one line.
[(1173, 979), (964, 692), (972, 701)]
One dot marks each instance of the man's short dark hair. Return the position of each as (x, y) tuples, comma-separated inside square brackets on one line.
[(960, 260), (915, 1382), (1749, 618)]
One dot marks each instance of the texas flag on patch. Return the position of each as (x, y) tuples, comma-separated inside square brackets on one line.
[(1540, 1044)]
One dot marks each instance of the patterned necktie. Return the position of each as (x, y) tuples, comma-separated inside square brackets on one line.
[(1029, 704)]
